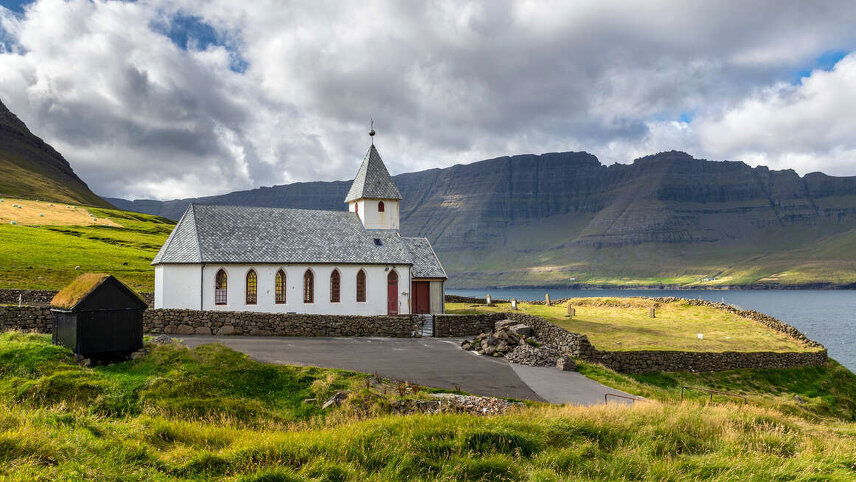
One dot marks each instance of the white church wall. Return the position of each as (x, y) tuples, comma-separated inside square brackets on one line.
[(177, 290), (367, 210), (437, 294), (177, 286)]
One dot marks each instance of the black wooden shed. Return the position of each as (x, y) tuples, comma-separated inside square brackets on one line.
[(98, 316)]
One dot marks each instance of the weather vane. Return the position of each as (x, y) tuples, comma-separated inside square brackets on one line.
[(372, 132)]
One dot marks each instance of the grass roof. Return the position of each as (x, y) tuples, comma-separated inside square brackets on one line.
[(74, 293)]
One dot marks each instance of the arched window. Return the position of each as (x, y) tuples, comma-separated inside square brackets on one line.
[(252, 287), (220, 288), (308, 287), (380, 207), (279, 287), (357, 208), (361, 286), (392, 293), (335, 284)]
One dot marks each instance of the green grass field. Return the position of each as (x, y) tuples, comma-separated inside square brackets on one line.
[(45, 256), (211, 413), (624, 324)]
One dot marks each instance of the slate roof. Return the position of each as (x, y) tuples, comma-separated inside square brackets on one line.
[(241, 234), (373, 180), (425, 262)]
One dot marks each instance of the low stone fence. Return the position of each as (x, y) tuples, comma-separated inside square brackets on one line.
[(26, 297), (642, 361), (465, 325), (26, 318), (186, 322), (44, 297)]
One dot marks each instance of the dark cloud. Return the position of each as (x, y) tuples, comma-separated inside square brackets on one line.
[(173, 98)]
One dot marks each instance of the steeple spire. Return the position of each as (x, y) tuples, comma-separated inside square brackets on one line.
[(373, 180), (371, 131)]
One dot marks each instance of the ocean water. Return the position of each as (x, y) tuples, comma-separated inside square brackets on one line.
[(827, 316)]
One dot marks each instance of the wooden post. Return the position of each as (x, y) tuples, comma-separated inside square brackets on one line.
[(547, 299), (652, 312)]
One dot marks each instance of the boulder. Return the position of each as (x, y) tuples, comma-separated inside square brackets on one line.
[(503, 323), (521, 329), (566, 364), (184, 330), (227, 330), (202, 330)]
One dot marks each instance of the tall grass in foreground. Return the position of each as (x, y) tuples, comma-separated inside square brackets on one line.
[(646, 441), (210, 412)]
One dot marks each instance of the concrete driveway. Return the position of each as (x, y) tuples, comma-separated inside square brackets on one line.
[(434, 362)]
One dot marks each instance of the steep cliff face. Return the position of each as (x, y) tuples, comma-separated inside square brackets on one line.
[(564, 218), (32, 169)]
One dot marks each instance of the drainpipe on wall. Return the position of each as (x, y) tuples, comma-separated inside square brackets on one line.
[(201, 286)]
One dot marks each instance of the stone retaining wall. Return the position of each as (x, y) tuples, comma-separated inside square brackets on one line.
[(465, 325), (641, 361), (44, 297), (26, 318), (186, 322), (26, 297)]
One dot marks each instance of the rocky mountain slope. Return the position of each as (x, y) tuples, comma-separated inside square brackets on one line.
[(32, 169), (565, 219)]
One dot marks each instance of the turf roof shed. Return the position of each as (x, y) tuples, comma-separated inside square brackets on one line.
[(97, 315)]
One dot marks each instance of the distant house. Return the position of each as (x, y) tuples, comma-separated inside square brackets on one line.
[(354, 262)]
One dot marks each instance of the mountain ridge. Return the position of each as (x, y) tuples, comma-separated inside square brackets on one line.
[(565, 218), (30, 168)]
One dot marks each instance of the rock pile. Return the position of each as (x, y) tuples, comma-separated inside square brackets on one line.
[(514, 341), (541, 356), (452, 403), (505, 338)]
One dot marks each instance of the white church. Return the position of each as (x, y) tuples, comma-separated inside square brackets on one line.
[(237, 258)]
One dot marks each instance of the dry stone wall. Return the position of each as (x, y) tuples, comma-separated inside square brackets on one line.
[(44, 297), (465, 325), (26, 318), (186, 322), (578, 346)]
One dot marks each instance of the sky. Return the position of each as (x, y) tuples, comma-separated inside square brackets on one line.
[(168, 99)]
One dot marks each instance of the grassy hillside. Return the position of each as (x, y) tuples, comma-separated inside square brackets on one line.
[(47, 252), (624, 324), (32, 169), (212, 413)]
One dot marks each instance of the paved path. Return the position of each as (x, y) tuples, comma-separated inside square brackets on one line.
[(434, 362)]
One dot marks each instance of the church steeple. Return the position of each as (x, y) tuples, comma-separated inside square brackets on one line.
[(373, 195), (373, 180)]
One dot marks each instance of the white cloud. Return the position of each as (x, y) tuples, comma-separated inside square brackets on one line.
[(446, 82), (809, 126)]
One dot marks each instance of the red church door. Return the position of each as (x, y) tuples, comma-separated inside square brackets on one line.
[(392, 293), (421, 297)]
